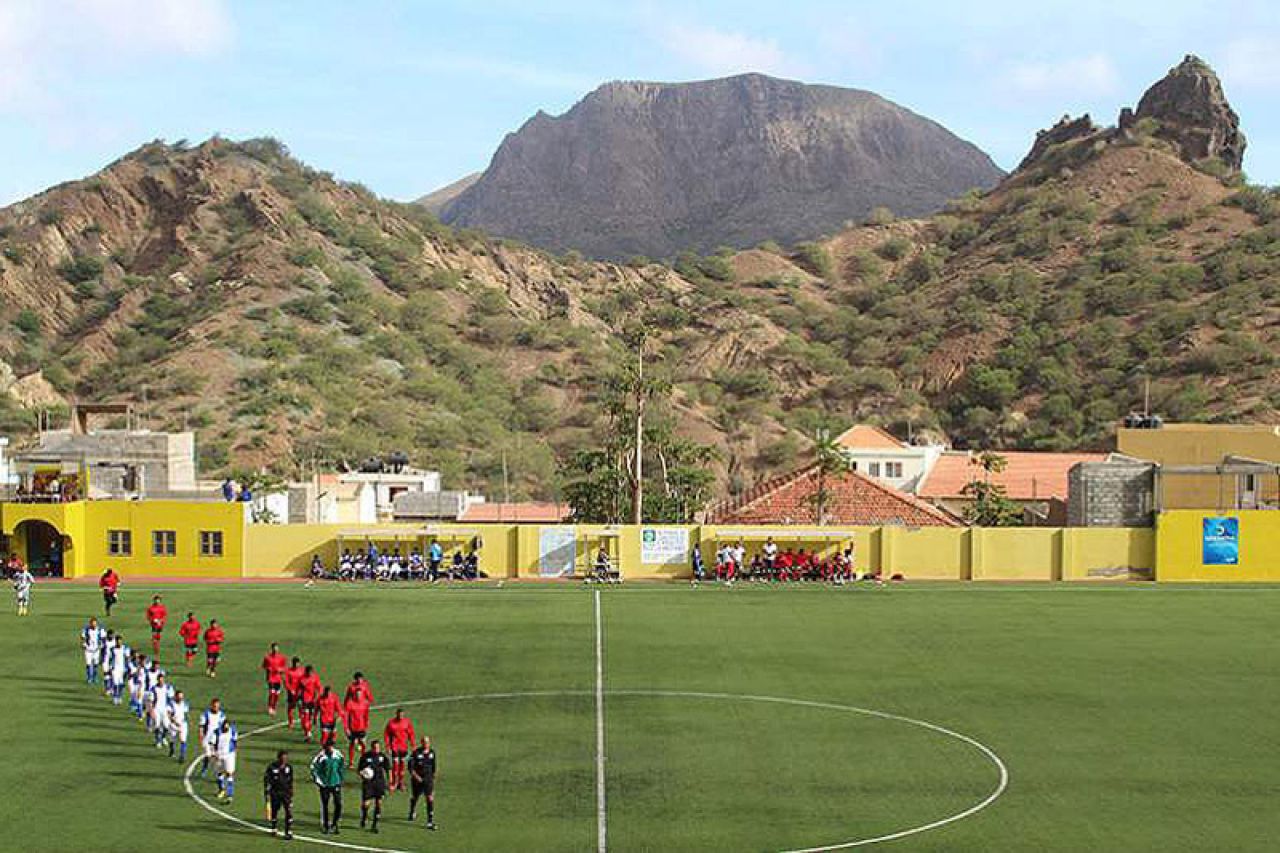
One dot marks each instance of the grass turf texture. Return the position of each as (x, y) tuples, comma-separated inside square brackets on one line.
[(1131, 718)]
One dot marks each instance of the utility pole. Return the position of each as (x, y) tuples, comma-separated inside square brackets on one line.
[(637, 495)]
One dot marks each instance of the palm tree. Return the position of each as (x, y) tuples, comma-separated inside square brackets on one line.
[(830, 459)]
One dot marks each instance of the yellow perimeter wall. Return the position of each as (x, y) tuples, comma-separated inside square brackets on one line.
[(1179, 546), (1170, 552)]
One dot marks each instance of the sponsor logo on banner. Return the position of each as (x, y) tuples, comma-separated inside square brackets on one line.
[(557, 550), (1221, 541), (664, 546)]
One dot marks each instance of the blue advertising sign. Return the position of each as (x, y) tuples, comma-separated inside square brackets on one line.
[(1221, 541)]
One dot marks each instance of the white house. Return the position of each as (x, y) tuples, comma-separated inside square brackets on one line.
[(7, 476), (878, 454)]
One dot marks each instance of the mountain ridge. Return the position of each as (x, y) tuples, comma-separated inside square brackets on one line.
[(643, 168)]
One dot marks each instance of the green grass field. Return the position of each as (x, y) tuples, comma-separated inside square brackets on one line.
[(1130, 718)]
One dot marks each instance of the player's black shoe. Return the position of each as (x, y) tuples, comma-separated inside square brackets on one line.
[(431, 825)]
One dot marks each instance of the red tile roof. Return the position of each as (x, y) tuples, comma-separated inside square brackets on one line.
[(860, 436), (855, 499), (526, 512), (1028, 475)]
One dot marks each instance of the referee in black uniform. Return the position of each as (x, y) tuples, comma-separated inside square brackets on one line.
[(277, 788), (422, 780)]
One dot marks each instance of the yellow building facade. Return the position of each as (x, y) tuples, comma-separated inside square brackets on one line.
[(174, 539), (1183, 445)]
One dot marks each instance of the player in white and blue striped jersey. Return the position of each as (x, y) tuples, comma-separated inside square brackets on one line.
[(179, 711), (211, 720), (159, 697), (226, 742), (92, 638), (118, 664)]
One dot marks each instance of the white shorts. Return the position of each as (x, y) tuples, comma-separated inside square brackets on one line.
[(91, 658), (210, 750), (117, 676), (178, 733), (160, 719), (24, 597), (227, 763)]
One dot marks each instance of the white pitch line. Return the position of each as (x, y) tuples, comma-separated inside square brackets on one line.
[(601, 810)]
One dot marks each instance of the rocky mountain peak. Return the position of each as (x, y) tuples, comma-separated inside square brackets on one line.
[(643, 168), (1193, 113)]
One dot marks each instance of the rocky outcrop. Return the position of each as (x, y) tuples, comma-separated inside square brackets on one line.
[(1066, 130), (654, 168), (1192, 112)]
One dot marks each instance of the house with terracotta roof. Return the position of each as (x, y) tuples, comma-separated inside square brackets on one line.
[(1039, 482), (884, 457), (853, 499)]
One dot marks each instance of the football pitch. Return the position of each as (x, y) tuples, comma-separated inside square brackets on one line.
[(930, 717)]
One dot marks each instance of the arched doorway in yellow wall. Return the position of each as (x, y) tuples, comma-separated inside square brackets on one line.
[(41, 545)]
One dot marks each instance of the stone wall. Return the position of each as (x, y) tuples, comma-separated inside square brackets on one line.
[(1111, 494)]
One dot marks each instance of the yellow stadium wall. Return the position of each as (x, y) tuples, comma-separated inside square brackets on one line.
[(512, 551), (1179, 554), (1016, 553), (1108, 553), (929, 553)]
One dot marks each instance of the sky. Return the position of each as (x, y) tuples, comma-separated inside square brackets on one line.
[(407, 96)]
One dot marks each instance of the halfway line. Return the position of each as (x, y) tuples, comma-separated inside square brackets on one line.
[(601, 819)]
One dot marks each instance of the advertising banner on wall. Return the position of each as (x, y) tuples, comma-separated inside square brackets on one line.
[(1221, 541), (557, 549), (664, 546)]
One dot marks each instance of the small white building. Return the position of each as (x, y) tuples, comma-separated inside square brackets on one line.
[(879, 455), (7, 476)]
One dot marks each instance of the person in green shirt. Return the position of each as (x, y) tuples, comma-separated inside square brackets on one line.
[(327, 770)]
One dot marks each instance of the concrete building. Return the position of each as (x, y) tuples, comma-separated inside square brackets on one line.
[(881, 456), (109, 463), (8, 479)]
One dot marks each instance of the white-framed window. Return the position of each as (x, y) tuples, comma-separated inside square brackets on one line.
[(210, 543), (893, 470), (120, 543), (873, 468), (164, 543)]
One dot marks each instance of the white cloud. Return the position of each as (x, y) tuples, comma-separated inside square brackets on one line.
[(46, 44), (721, 52), (504, 70), (1252, 62), (1082, 76)]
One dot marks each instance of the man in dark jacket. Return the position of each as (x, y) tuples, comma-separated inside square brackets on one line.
[(277, 788)]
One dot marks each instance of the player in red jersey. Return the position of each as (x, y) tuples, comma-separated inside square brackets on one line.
[(359, 686), (398, 737), (274, 665), (310, 696), (356, 720), (214, 637), (189, 631), (110, 585), (293, 687), (329, 707), (157, 615)]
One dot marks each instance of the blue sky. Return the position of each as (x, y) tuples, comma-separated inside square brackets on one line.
[(407, 96)]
